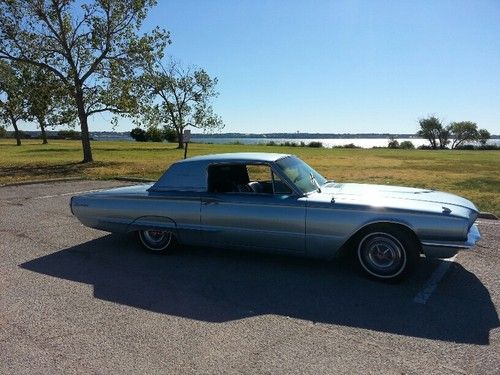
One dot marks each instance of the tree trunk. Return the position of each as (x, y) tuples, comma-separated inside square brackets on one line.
[(84, 127), (16, 130), (41, 122), (180, 143), (87, 151), (179, 129)]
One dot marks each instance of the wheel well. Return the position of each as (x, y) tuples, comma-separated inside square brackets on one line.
[(351, 242), (152, 222)]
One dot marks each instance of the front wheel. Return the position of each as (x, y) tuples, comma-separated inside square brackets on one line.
[(157, 241), (387, 254)]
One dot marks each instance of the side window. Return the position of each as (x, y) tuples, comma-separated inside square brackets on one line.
[(264, 181), (245, 178), (259, 173), (280, 187), (227, 178)]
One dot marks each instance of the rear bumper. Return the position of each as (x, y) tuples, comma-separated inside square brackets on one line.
[(446, 249)]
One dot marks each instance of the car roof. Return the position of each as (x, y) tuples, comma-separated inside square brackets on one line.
[(191, 174), (238, 156)]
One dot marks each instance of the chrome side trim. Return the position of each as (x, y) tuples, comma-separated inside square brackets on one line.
[(441, 244)]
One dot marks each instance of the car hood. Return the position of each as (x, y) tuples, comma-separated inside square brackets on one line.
[(398, 195)]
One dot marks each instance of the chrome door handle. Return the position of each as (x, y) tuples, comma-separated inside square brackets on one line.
[(207, 201)]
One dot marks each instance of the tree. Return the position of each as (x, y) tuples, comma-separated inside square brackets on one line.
[(154, 134), (48, 101), (483, 136), (138, 134), (169, 134), (184, 98), (3, 132), (444, 138), (12, 102), (92, 47), (432, 130), (393, 143), (463, 131)]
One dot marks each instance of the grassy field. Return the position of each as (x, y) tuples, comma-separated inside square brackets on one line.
[(472, 174)]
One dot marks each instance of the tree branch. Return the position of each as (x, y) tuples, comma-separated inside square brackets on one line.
[(5, 55)]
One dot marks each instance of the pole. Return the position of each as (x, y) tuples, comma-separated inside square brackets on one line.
[(186, 137)]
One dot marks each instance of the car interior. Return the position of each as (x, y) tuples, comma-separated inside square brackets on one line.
[(234, 178)]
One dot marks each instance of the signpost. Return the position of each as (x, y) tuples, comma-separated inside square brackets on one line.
[(186, 137)]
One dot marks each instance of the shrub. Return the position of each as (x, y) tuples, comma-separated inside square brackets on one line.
[(474, 147), (465, 147), (3, 132), (271, 143), (69, 134), (154, 134), (489, 147), (138, 134), (315, 144), (24, 135), (349, 145), (407, 145), (425, 147)]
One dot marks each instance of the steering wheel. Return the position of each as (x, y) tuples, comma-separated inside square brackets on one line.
[(244, 188)]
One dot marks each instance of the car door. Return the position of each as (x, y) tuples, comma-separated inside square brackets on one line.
[(266, 217)]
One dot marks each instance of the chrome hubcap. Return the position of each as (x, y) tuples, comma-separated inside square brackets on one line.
[(382, 255), (157, 238)]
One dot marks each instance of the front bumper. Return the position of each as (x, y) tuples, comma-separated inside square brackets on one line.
[(447, 249)]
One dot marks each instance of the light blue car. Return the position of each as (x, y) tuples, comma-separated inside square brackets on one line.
[(277, 203)]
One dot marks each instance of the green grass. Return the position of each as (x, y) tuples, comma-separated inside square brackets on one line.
[(472, 174)]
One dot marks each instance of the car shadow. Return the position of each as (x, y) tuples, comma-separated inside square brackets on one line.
[(219, 286)]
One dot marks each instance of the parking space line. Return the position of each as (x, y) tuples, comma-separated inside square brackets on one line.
[(488, 222), (430, 286), (63, 194)]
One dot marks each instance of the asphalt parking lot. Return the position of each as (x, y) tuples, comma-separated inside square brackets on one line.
[(77, 300)]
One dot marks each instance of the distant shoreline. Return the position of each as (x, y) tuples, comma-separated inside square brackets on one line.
[(306, 135), (194, 136)]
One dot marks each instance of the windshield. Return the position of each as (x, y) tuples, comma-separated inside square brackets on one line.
[(300, 174)]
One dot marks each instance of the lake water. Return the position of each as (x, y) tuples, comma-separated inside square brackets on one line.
[(327, 142)]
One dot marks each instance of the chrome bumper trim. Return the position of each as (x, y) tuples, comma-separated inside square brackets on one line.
[(472, 237)]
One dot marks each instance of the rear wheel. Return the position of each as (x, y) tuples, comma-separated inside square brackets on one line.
[(157, 241), (387, 253)]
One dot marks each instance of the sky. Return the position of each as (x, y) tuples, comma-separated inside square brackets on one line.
[(339, 66)]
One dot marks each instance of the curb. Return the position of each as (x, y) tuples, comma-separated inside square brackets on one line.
[(48, 180), (133, 179), (487, 215), (66, 179)]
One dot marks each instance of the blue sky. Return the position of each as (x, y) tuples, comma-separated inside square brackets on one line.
[(340, 66)]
